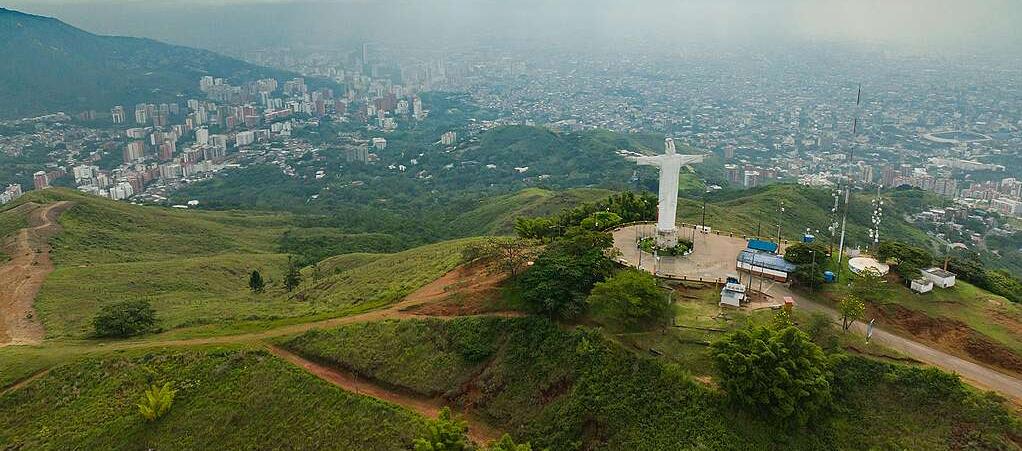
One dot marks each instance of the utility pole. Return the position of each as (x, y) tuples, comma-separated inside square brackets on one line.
[(848, 183), (780, 213)]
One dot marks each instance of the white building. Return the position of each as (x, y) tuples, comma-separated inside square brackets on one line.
[(939, 277), (922, 285), (449, 138), (380, 143), (12, 192), (245, 138), (202, 136)]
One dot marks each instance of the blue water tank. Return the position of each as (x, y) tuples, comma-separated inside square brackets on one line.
[(807, 238), (829, 277)]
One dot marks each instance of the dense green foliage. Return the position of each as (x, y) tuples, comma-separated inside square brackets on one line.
[(908, 260), (624, 207), (446, 433), (572, 389), (781, 373), (124, 319), (224, 399), (968, 266), (811, 261), (560, 279), (628, 299)]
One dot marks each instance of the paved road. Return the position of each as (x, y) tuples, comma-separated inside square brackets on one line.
[(714, 257)]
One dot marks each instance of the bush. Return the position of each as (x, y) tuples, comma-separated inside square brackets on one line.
[(779, 373), (629, 298), (446, 433), (156, 401), (560, 279), (124, 319)]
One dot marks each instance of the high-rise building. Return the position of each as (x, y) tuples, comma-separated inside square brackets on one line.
[(729, 153), (751, 179), (40, 180), (134, 151), (733, 174), (202, 136), (141, 114), (117, 114), (245, 138), (417, 112)]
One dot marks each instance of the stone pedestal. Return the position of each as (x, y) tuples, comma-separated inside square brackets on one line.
[(667, 238)]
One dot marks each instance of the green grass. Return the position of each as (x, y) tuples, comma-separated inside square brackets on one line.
[(569, 389), (991, 315), (185, 292), (749, 212), (12, 220), (204, 296), (226, 399), (496, 215), (98, 230), (341, 263), (386, 279)]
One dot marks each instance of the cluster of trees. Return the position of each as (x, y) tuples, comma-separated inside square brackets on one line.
[(620, 208), (629, 298), (969, 267), (292, 277)]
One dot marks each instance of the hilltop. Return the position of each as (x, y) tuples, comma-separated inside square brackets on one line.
[(50, 66)]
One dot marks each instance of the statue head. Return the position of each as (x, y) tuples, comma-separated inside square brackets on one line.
[(669, 146)]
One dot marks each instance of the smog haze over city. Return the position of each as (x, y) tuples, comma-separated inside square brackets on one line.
[(510, 225)]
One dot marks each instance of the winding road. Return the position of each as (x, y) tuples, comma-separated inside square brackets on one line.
[(714, 258)]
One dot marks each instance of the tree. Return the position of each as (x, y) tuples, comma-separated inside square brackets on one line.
[(255, 282), (507, 444), (630, 297), (124, 319), (156, 401), (292, 277), (909, 260), (513, 253), (446, 433), (601, 220), (869, 284), (851, 309), (779, 373), (810, 260), (561, 277)]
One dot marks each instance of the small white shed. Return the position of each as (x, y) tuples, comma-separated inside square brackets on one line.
[(940, 277), (922, 285)]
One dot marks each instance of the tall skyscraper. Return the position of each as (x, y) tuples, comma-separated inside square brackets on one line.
[(40, 180)]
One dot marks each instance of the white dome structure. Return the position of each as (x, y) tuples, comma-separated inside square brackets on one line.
[(860, 264)]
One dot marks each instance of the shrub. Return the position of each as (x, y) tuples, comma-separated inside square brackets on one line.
[(156, 401), (124, 319), (446, 433), (780, 373)]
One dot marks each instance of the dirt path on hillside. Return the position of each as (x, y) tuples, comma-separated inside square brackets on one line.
[(23, 275), (478, 431)]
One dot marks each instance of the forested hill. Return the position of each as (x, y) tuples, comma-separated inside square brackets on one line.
[(49, 66)]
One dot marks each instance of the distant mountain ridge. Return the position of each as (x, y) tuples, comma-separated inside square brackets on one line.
[(47, 66)]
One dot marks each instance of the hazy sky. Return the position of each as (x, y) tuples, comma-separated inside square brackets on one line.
[(933, 26)]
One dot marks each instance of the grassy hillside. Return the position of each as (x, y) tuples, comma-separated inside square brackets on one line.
[(573, 389), (965, 320), (226, 399), (194, 267), (496, 215), (747, 212)]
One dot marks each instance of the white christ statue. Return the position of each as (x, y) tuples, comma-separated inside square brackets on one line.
[(670, 164)]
